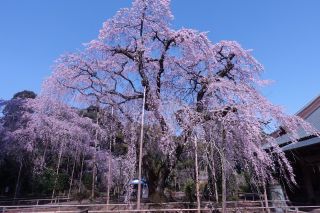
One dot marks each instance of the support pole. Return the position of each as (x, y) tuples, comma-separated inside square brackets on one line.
[(72, 173), (197, 173), (18, 180), (81, 171), (94, 169), (265, 196), (223, 173), (109, 164), (57, 172), (140, 150)]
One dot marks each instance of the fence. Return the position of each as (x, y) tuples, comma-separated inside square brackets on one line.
[(148, 207), (33, 201)]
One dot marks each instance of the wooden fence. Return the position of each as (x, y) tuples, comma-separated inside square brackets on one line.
[(151, 207)]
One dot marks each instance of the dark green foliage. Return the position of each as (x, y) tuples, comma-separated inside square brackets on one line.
[(44, 182), (190, 190), (25, 94), (87, 180), (8, 176), (90, 112), (14, 109), (62, 182)]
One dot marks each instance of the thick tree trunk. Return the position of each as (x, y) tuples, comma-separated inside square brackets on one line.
[(18, 180), (197, 173), (158, 175), (157, 180)]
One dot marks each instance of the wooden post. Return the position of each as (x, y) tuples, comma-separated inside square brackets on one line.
[(214, 173), (140, 150), (265, 197), (197, 173), (223, 174), (94, 168), (18, 180), (81, 171), (224, 189), (57, 172), (109, 164), (72, 173)]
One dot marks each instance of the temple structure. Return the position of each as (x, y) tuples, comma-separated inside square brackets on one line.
[(305, 158)]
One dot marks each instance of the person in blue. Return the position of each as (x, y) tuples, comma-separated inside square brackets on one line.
[(144, 188)]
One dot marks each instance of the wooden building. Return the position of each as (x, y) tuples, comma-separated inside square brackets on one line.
[(305, 158)]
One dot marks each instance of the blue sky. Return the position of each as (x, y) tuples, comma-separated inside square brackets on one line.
[(285, 37)]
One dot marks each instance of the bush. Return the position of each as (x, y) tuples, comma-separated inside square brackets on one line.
[(190, 190), (62, 182), (87, 180), (44, 182)]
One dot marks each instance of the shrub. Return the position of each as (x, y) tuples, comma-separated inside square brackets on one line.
[(190, 190)]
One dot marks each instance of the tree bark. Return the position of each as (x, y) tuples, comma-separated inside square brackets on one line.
[(157, 177)]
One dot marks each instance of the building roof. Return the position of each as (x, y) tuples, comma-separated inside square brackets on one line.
[(309, 108), (311, 114), (307, 142)]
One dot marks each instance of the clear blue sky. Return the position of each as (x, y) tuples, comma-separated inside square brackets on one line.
[(285, 37)]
